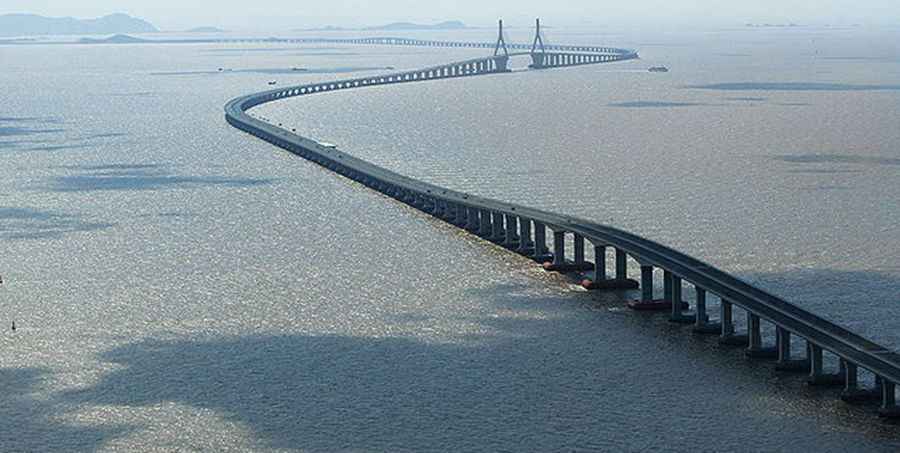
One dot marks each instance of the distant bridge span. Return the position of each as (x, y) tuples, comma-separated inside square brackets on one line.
[(523, 229)]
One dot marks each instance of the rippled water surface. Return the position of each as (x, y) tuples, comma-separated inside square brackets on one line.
[(179, 285)]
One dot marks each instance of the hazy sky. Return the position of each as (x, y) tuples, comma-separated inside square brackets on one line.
[(286, 14)]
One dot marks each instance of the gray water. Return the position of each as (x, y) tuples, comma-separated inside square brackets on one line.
[(178, 285)]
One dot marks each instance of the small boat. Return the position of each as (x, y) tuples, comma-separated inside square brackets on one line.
[(659, 69), (299, 69)]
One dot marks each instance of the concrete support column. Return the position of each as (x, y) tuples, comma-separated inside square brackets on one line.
[(701, 318), (621, 265), (647, 284), (755, 347), (726, 317), (540, 240), (677, 301), (497, 232), (815, 362), (783, 344), (851, 376), (559, 248), (512, 228), (667, 286), (474, 219), (524, 234), (579, 249), (888, 397), (599, 263), (754, 335), (485, 228)]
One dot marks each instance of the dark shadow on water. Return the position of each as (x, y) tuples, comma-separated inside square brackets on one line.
[(836, 159), (139, 94), (115, 177), (793, 86), (23, 223), (747, 99), (655, 104), (276, 71), (335, 393), (167, 215), (824, 188), (343, 393), (30, 119), (14, 131), (34, 424), (50, 148), (491, 392), (106, 135), (824, 171), (115, 167), (13, 145)]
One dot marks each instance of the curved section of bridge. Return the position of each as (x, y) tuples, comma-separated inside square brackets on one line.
[(524, 230)]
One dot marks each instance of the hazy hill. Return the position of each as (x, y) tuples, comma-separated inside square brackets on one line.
[(448, 25), (115, 39), (32, 25), (205, 30)]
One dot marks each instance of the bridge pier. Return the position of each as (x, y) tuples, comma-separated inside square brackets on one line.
[(755, 347), (647, 301), (538, 61), (485, 228), (701, 318), (678, 304), (852, 393), (647, 284), (447, 212), (578, 243), (600, 263), (501, 64), (497, 232), (889, 407), (541, 254), (783, 353), (728, 336), (816, 364), (512, 226), (559, 252), (621, 280), (470, 217), (526, 245)]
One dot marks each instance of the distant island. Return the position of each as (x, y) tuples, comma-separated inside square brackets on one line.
[(448, 25), (115, 39), (790, 25), (205, 30), (397, 26), (34, 25)]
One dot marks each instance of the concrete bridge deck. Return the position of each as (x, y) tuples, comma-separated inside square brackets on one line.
[(524, 230)]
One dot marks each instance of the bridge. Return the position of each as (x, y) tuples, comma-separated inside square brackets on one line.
[(526, 231)]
